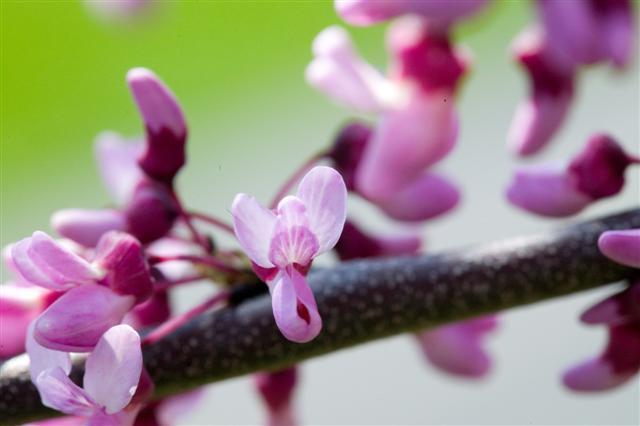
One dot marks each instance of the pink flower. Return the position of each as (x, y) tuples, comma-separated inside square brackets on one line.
[(112, 373), (119, 10), (354, 243), (561, 189), (277, 389), (283, 243), (458, 348), (442, 12), (621, 246)]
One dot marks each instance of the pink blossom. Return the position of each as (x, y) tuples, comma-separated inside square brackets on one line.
[(276, 389), (621, 246), (119, 10), (564, 189), (355, 243), (283, 243), (112, 373)]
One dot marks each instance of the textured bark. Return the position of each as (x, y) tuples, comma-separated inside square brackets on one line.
[(362, 301)]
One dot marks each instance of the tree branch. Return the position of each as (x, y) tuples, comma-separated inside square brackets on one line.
[(362, 301)]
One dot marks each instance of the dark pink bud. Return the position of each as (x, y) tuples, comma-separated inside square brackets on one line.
[(153, 312), (276, 389), (164, 152), (600, 167), (151, 212), (127, 272), (347, 151), (354, 243), (425, 55)]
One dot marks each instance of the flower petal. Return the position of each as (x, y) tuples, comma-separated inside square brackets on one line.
[(118, 164), (113, 369), (41, 358), (621, 246), (354, 243), (171, 409), (324, 194), (19, 306), (294, 307), (85, 227), (293, 241), (60, 393), (76, 321), (595, 375), (254, 226)]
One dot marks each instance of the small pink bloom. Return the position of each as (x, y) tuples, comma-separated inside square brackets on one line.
[(85, 227), (621, 246), (458, 348), (112, 374), (276, 389), (164, 121), (442, 12), (151, 212), (283, 243), (354, 243)]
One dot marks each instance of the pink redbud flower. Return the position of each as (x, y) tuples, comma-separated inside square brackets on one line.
[(590, 31), (354, 243), (112, 373), (441, 12), (458, 348), (283, 243), (540, 116), (277, 389), (561, 189)]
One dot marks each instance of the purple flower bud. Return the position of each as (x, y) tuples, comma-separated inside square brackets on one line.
[(621, 246), (538, 118), (151, 212), (164, 153), (122, 257), (348, 149), (276, 389), (85, 227), (153, 312), (618, 309), (354, 243)]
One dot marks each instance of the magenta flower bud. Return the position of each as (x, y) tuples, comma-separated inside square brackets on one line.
[(85, 227), (424, 55), (621, 246), (443, 12), (619, 362), (538, 118), (76, 321), (121, 255), (427, 197), (276, 389), (618, 309), (354, 243), (348, 149), (164, 152), (151, 212), (153, 312), (600, 167)]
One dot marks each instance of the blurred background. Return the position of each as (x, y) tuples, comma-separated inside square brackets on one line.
[(237, 68)]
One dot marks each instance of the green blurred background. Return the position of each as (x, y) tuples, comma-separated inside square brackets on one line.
[(237, 68)]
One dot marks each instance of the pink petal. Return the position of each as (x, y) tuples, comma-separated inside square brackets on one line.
[(429, 196), (76, 321), (41, 358), (118, 164), (621, 246), (293, 241), (407, 141), (113, 369), (618, 309), (324, 194), (355, 243), (276, 389), (60, 393), (19, 306), (595, 375), (294, 307), (173, 408), (618, 31), (85, 227), (547, 190), (254, 226)]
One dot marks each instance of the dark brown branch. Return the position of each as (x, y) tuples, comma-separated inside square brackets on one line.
[(367, 300)]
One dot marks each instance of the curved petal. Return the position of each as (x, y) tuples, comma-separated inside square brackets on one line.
[(85, 227), (595, 375), (76, 321), (429, 196), (57, 391), (294, 307), (621, 246), (324, 194), (254, 226), (19, 306), (41, 358), (113, 368), (546, 190), (118, 164)]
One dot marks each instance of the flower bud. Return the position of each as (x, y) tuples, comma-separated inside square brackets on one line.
[(354, 243), (348, 149), (151, 212)]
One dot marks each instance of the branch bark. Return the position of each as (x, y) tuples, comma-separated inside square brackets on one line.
[(362, 301)]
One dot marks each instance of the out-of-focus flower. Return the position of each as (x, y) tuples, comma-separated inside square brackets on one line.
[(277, 389), (620, 360), (119, 10), (283, 243), (440, 12), (167, 411), (551, 77), (561, 189), (354, 243), (112, 373)]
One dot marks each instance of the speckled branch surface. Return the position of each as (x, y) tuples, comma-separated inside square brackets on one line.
[(366, 300)]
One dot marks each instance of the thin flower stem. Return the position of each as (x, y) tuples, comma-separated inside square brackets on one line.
[(295, 177), (174, 323), (212, 221), (197, 237), (166, 285), (202, 260)]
